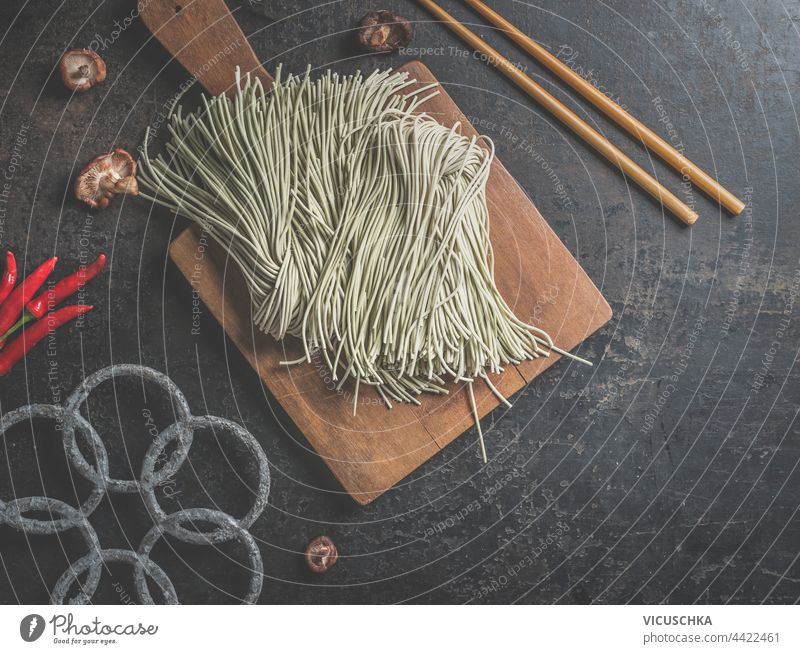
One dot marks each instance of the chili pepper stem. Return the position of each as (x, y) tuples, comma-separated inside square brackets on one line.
[(14, 306), (21, 345), (24, 320)]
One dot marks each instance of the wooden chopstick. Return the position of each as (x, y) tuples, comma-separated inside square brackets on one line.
[(627, 165), (648, 137)]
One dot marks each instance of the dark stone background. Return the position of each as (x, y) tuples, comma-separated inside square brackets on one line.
[(666, 473)]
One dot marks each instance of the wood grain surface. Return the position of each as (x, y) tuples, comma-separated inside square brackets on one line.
[(377, 448), (205, 39)]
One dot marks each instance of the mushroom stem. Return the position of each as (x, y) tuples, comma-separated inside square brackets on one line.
[(81, 69), (113, 183), (127, 185), (380, 36)]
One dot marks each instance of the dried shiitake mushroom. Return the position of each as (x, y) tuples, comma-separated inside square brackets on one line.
[(106, 176), (384, 31), (81, 69), (321, 554)]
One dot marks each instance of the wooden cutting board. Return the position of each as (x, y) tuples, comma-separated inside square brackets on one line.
[(374, 450)]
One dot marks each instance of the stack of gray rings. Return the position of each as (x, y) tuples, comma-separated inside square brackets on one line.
[(64, 517)]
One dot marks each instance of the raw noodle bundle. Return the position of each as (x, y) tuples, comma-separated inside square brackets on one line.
[(360, 227)]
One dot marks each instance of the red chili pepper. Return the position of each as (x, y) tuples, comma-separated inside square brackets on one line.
[(54, 296), (12, 308), (9, 277), (21, 345)]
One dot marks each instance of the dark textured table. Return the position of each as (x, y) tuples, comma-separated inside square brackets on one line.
[(666, 473)]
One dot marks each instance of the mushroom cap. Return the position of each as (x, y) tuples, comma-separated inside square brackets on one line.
[(81, 69), (321, 554), (384, 31), (105, 176)]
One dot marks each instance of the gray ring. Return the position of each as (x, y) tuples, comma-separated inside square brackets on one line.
[(72, 415), (138, 562), (29, 412), (150, 478), (227, 525), (182, 431), (53, 412), (74, 519)]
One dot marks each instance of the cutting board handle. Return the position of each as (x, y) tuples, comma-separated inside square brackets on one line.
[(205, 38)]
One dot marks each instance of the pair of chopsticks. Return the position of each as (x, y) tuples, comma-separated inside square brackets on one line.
[(648, 137)]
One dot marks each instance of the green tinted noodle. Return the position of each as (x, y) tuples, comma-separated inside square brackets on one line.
[(360, 227)]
